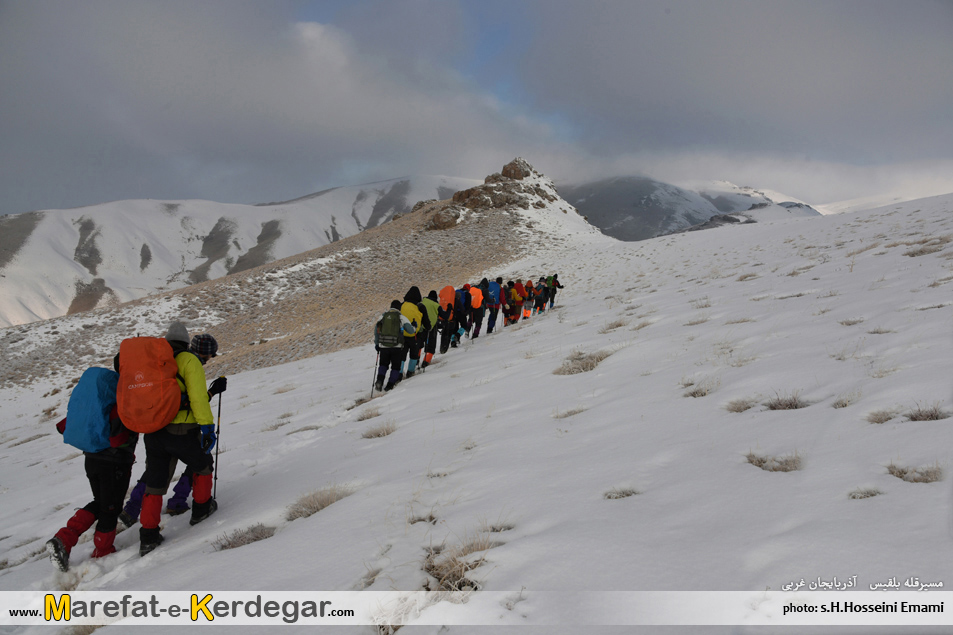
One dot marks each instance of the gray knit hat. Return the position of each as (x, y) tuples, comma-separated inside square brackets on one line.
[(177, 333)]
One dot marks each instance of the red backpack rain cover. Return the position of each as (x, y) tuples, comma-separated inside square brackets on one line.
[(148, 395)]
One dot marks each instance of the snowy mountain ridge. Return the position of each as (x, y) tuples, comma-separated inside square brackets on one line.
[(637, 207), (63, 261)]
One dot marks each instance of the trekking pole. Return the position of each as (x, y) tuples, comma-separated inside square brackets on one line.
[(218, 444), (374, 380)]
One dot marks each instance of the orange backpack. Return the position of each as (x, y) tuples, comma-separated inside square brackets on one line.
[(476, 297), (148, 395), (448, 295)]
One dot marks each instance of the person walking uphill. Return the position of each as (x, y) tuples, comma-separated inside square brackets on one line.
[(432, 306), (109, 460), (389, 334), (420, 320), (189, 438), (553, 287)]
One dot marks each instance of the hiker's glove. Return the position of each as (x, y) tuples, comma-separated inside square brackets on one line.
[(377, 348), (208, 438), (218, 386)]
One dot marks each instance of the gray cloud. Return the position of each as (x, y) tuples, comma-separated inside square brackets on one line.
[(127, 99), (235, 101), (861, 82)]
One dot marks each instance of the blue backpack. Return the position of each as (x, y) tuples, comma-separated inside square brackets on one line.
[(87, 414), (495, 292)]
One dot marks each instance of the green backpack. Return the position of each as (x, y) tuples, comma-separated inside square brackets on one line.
[(390, 333)]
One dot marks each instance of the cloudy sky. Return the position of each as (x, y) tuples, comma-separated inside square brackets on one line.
[(260, 101)]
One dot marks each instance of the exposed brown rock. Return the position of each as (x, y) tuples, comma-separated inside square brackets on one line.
[(517, 169)]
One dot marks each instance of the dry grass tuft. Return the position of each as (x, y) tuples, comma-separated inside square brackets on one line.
[(284, 389), (703, 388), (880, 331), (271, 427), (384, 429), (580, 362), (741, 405), (370, 413), (313, 502), (792, 401), (746, 276), (851, 321), (701, 303), (927, 413), (303, 429), (855, 252), (788, 463), (880, 416), (568, 413), (916, 475), (242, 537), (608, 328), (865, 492), (701, 319), (449, 566), (847, 400), (620, 492), (641, 325), (739, 321)]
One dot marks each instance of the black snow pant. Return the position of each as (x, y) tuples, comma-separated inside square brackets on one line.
[(165, 449), (431, 346), (491, 319), (478, 319), (109, 481)]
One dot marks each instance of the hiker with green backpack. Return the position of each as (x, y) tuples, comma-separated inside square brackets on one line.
[(92, 424), (162, 393), (389, 334)]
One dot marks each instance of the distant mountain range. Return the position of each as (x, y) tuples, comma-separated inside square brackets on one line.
[(59, 262), (638, 208)]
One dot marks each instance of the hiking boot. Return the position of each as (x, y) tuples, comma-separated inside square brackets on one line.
[(59, 554), (453, 344), (379, 384), (149, 539), (176, 511), (410, 373), (201, 511), (126, 519), (424, 365), (390, 386)]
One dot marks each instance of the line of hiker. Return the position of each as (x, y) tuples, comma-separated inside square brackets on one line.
[(157, 389), (416, 324)]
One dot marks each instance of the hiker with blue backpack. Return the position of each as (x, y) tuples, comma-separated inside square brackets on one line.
[(493, 303), (180, 428), (92, 424)]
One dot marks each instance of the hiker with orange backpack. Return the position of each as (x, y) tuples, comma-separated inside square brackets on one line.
[(519, 299), (189, 436), (108, 464), (447, 321), (478, 298)]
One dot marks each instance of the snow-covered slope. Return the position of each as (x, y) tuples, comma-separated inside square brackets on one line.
[(62, 261), (635, 475)]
